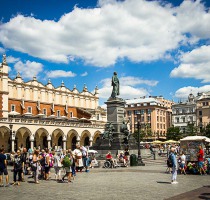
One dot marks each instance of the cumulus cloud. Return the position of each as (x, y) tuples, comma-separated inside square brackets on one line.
[(59, 73), (28, 69), (129, 87), (2, 50), (137, 30), (84, 74), (11, 59), (194, 64), (185, 91)]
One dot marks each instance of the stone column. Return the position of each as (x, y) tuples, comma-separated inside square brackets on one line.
[(48, 141), (78, 140), (64, 142), (91, 141), (13, 145), (32, 142)]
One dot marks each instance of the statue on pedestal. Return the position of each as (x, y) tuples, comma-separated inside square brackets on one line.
[(116, 86)]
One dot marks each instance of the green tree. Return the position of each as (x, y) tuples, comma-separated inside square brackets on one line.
[(191, 129), (173, 133), (207, 130)]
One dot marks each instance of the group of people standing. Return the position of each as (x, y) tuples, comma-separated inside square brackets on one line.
[(182, 162), (40, 162)]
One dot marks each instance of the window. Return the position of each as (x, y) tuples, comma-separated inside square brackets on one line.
[(71, 114), (58, 113), (142, 112), (158, 118), (97, 117), (12, 107), (157, 111), (183, 119), (157, 125), (205, 103), (148, 118), (45, 111), (129, 113), (149, 111), (177, 120), (200, 120), (29, 110), (200, 112)]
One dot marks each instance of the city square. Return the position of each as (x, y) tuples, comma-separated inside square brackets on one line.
[(105, 99), (142, 182)]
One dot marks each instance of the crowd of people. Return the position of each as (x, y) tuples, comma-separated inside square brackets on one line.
[(39, 164)]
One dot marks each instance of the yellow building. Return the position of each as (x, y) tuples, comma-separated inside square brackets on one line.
[(153, 114), (33, 114), (203, 110)]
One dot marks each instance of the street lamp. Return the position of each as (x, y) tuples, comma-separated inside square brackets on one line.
[(140, 162), (10, 126)]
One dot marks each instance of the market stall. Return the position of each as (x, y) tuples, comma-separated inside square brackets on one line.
[(190, 146)]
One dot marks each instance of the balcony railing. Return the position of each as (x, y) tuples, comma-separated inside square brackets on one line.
[(54, 122)]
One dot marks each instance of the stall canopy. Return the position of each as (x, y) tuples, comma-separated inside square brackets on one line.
[(196, 138)]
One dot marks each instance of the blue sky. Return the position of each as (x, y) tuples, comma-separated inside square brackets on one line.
[(156, 47)]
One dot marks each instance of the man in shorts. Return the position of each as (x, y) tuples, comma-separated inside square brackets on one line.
[(3, 168), (201, 160)]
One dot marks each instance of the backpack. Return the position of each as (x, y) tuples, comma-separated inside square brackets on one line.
[(18, 163), (66, 162), (169, 161)]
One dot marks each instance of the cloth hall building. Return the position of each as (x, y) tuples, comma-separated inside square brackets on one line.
[(37, 115)]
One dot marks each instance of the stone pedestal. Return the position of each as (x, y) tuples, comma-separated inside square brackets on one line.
[(115, 116)]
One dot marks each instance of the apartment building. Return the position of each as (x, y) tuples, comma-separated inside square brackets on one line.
[(153, 114)]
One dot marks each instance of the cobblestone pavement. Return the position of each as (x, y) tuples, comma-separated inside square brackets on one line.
[(143, 182)]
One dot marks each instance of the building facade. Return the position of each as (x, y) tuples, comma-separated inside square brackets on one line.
[(203, 110), (153, 114), (184, 113), (33, 114)]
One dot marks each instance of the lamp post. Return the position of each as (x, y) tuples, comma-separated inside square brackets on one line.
[(11, 138), (140, 162)]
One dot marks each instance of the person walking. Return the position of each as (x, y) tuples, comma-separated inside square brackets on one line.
[(35, 167), (18, 168), (173, 159), (24, 158), (57, 166), (3, 169)]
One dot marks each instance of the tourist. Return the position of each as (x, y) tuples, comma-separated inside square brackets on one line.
[(24, 158), (183, 163), (18, 168), (3, 169), (85, 158), (200, 155), (47, 165), (57, 166), (111, 159), (121, 158), (173, 159), (78, 158), (67, 162), (35, 166)]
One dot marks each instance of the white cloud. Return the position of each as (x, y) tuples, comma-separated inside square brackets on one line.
[(2, 50), (137, 30), (59, 73), (11, 59), (185, 91), (84, 74), (194, 64), (28, 69), (129, 87)]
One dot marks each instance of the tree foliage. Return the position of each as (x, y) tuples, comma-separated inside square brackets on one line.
[(173, 133)]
